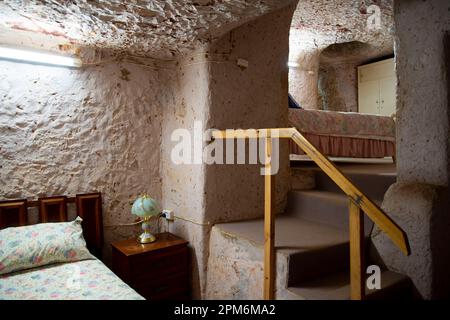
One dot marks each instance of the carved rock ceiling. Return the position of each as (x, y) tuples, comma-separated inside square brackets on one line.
[(162, 29), (318, 24), (143, 27)]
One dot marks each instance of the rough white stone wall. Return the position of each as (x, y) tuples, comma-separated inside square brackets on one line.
[(211, 88), (303, 79), (68, 131), (410, 205), (183, 185), (422, 86), (255, 97), (418, 202), (100, 128), (235, 269)]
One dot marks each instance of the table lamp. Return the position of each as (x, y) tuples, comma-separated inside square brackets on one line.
[(145, 208)]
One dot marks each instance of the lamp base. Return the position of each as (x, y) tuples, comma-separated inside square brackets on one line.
[(146, 237)]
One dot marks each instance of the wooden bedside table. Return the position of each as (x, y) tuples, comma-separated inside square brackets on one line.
[(158, 270)]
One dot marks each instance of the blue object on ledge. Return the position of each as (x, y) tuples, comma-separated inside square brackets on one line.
[(292, 103)]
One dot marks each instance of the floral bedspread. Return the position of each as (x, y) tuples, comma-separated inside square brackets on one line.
[(81, 280), (343, 124)]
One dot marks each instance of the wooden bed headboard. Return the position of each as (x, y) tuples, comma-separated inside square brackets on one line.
[(14, 213)]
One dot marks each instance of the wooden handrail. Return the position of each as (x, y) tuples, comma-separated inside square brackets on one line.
[(358, 202), (375, 213)]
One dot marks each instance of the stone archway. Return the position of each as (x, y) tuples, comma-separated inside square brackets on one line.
[(327, 40), (338, 76)]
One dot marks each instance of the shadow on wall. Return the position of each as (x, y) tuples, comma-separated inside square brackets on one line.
[(440, 220), (439, 243)]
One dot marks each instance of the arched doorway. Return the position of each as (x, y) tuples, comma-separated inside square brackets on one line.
[(327, 42)]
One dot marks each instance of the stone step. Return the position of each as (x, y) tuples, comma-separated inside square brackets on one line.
[(323, 207), (373, 179), (312, 249), (337, 287), (373, 184), (291, 233), (311, 261), (311, 242), (310, 264)]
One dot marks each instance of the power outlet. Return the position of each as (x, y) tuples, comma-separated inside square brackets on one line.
[(168, 214)]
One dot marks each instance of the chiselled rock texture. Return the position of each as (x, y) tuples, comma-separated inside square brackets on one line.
[(103, 124), (65, 131), (338, 74), (416, 202), (109, 127), (338, 87), (254, 97), (303, 77), (420, 210), (322, 23), (157, 28), (183, 185), (422, 92), (235, 269)]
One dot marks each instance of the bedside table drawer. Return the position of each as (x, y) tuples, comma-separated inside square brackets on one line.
[(162, 288), (158, 270), (148, 267)]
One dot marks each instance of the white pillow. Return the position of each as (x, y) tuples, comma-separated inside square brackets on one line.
[(40, 244)]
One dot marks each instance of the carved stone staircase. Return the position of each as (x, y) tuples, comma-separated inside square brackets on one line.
[(312, 242)]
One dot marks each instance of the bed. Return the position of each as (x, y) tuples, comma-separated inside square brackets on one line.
[(80, 280), (345, 134), (56, 258)]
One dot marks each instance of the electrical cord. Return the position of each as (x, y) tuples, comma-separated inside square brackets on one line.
[(161, 215), (123, 224), (127, 224)]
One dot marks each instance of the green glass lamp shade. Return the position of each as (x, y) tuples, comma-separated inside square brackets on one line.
[(145, 208)]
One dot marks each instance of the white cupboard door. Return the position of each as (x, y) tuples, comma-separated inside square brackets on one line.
[(369, 97), (387, 96)]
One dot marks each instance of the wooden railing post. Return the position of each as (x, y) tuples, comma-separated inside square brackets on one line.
[(356, 230), (269, 223)]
